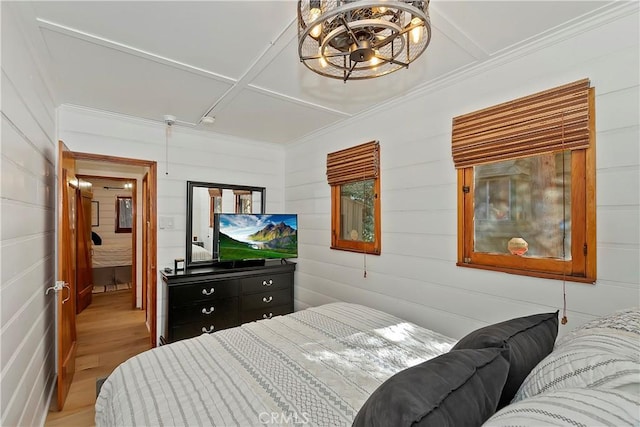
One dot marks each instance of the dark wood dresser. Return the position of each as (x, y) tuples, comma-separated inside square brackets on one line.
[(208, 299)]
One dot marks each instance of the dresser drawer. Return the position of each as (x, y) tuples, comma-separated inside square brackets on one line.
[(266, 299), (212, 311), (190, 330), (264, 283), (188, 294), (266, 313)]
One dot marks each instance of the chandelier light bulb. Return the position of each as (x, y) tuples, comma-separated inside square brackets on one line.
[(416, 33), (313, 15), (323, 61)]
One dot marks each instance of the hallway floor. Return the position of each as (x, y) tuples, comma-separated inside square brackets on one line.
[(109, 332)]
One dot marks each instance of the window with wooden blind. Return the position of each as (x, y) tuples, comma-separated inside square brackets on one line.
[(354, 177), (526, 185)]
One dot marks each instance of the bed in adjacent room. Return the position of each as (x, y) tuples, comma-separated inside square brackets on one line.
[(111, 263), (344, 364), (199, 253)]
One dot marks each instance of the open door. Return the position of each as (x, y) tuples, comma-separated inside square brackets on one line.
[(84, 272), (66, 319)]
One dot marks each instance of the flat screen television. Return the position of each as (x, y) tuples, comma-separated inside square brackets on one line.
[(245, 237)]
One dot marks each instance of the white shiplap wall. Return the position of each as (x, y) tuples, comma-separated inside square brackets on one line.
[(193, 156), (416, 276), (28, 145)]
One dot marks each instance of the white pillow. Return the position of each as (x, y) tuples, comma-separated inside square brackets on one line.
[(579, 367), (623, 324), (571, 407), (603, 353)]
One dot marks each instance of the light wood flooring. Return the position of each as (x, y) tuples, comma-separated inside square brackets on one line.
[(109, 332)]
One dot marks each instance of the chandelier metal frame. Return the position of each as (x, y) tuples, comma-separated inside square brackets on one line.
[(361, 39)]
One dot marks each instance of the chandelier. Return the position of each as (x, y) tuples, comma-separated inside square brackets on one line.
[(361, 39)]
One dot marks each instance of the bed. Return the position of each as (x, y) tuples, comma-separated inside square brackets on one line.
[(345, 364), (111, 263), (318, 365), (198, 253)]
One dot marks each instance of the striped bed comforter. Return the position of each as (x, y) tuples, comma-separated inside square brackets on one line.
[(198, 253), (313, 367), (111, 255)]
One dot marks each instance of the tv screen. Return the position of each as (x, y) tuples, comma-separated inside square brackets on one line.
[(256, 236)]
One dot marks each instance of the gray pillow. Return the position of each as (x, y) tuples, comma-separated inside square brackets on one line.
[(459, 388), (529, 340)]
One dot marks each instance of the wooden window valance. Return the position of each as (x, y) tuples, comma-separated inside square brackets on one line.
[(357, 163), (546, 122), (215, 192), (241, 192)]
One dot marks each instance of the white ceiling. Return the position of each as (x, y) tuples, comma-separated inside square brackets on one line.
[(239, 59)]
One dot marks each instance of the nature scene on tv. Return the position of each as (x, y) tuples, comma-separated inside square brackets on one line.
[(246, 237)]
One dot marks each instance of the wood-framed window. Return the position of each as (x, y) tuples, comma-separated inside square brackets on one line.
[(354, 177), (526, 185)]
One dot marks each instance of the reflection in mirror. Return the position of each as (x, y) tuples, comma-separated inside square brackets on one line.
[(204, 199), (243, 202)]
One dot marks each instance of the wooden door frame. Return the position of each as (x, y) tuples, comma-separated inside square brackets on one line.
[(151, 242), (134, 240), (145, 236), (151, 247)]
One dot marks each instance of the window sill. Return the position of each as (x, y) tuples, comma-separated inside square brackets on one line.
[(530, 273)]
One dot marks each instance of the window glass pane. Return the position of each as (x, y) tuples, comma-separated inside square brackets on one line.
[(256, 202), (124, 213), (244, 203), (528, 199), (217, 204), (356, 211)]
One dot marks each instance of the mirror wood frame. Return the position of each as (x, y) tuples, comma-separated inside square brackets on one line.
[(191, 185)]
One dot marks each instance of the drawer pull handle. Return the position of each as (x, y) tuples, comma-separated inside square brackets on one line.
[(208, 331), (210, 292), (269, 283), (205, 311), (265, 299), (267, 316)]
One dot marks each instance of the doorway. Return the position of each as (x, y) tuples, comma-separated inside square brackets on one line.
[(113, 240), (141, 176)]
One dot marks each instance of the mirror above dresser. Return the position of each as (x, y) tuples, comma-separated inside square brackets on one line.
[(204, 199)]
